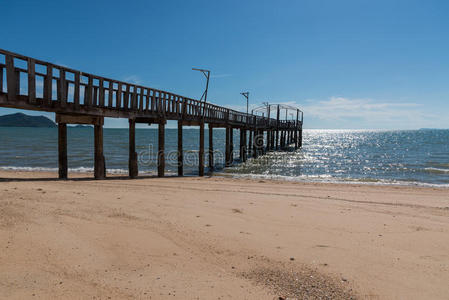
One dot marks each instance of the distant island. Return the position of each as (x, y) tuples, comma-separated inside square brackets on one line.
[(23, 120)]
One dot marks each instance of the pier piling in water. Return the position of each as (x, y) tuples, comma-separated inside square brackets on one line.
[(132, 165), (62, 150)]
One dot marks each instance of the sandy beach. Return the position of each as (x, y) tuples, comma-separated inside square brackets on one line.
[(219, 238)]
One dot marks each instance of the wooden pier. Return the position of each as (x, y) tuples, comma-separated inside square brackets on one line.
[(82, 98)]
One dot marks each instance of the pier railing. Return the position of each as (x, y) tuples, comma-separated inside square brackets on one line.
[(39, 85)]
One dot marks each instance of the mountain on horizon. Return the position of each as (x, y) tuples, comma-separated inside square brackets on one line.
[(23, 120)]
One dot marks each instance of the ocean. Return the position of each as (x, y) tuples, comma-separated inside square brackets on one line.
[(406, 157)]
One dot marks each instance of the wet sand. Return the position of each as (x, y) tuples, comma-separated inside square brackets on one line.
[(219, 238)]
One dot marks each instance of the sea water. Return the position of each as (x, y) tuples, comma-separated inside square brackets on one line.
[(418, 157)]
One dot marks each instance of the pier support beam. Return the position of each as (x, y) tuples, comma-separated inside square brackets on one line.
[(296, 138), (201, 152), (180, 150), (268, 140), (132, 164), (161, 150), (99, 161), (277, 139), (62, 150), (250, 142), (241, 145), (228, 147), (231, 141), (255, 143), (300, 138), (211, 147)]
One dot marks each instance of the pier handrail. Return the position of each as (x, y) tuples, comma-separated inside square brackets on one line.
[(41, 85)]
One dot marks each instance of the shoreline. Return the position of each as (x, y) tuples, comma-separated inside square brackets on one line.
[(83, 171), (188, 237)]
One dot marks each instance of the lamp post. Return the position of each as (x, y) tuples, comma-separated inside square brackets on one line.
[(206, 73), (246, 95)]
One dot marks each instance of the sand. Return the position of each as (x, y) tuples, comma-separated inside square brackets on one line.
[(219, 238)]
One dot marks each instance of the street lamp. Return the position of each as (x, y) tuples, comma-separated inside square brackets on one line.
[(246, 95), (206, 73)]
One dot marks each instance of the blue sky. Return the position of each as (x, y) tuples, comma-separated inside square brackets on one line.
[(347, 64)]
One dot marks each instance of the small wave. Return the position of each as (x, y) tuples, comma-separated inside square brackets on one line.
[(437, 170), (75, 170), (329, 179)]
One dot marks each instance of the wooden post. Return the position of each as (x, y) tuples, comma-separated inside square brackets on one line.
[(180, 151), (245, 145), (161, 147), (62, 150), (242, 145), (300, 137), (11, 80), (231, 141), (250, 141), (132, 164), (201, 152), (99, 161), (211, 147), (228, 147), (277, 128), (255, 143), (31, 81)]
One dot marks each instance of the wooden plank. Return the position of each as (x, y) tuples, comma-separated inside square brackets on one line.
[(79, 119), (76, 90), (31, 81), (141, 100), (99, 161), (118, 97), (62, 150), (134, 98), (132, 165), (180, 150), (11, 79), (48, 85), (126, 97), (1, 79), (201, 152), (110, 94), (101, 93), (161, 153), (89, 91), (61, 89), (95, 97), (147, 99)]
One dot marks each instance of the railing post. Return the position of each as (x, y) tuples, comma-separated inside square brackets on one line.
[(11, 78), (31, 81), (48, 85), (61, 88), (76, 91)]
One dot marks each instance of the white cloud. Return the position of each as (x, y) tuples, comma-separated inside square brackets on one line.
[(367, 113)]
